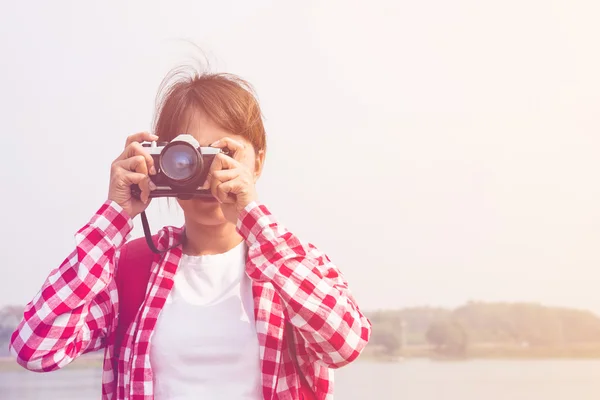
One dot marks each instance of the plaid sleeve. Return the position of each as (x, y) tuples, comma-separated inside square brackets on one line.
[(74, 309), (317, 299)]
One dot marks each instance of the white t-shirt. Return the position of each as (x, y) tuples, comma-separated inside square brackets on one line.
[(205, 344)]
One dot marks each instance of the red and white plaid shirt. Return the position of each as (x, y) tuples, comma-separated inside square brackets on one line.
[(75, 311)]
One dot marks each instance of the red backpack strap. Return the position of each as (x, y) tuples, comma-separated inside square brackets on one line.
[(132, 275)]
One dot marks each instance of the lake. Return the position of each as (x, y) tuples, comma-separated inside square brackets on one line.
[(412, 379)]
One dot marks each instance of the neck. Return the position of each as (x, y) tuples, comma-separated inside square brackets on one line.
[(212, 239)]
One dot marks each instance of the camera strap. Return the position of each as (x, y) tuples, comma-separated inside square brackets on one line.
[(148, 236)]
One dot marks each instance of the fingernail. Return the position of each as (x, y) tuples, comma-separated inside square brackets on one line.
[(151, 185), (215, 143), (154, 136), (152, 170)]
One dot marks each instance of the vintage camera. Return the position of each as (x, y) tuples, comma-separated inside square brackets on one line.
[(181, 168)]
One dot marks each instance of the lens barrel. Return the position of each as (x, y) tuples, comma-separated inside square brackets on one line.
[(181, 163)]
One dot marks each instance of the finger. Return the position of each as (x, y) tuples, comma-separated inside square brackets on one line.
[(135, 163), (135, 149), (221, 162), (140, 137), (130, 178), (236, 148), (227, 191), (125, 179), (144, 186), (215, 178), (139, 164)]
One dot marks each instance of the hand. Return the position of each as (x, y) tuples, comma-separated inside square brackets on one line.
[(132, 167), (230, 180)]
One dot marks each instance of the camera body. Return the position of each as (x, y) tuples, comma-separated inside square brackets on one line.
[(181, 165)]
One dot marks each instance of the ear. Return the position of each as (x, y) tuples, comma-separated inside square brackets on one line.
[(258, 164)]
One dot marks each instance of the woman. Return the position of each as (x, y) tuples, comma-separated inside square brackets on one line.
[(220, 297)]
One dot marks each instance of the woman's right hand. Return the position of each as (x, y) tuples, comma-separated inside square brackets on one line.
[(133, 166)]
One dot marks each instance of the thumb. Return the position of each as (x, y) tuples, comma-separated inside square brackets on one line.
[(141, 180), (134, 178)]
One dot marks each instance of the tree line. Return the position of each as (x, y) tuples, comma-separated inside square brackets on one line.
[(484, 325)]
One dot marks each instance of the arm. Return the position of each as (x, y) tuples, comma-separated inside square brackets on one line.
[(313, 290), (73, 312)]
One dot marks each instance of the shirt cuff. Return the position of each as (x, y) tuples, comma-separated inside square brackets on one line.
[(114, 221), (252, 220)]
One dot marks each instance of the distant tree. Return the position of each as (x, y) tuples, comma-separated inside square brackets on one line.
[(390, 340), (388, 331), (448, 337), (413, 322), (481, 323), (534, 324)]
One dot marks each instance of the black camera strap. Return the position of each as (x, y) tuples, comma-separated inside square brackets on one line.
[(148, 236)]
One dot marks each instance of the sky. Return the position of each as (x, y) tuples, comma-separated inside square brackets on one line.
[(439, 152)]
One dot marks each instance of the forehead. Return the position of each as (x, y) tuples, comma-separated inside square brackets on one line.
[(198, 124)]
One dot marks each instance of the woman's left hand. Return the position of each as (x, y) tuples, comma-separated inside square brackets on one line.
[(230, 179)]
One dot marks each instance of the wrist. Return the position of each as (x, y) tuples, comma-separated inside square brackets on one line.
[(252, 219)]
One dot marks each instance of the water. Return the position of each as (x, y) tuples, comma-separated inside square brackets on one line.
[(471, 380), (414, 380)]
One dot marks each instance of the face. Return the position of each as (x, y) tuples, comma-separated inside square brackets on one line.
[(208, 211)]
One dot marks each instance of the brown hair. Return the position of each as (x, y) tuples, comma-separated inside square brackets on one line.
[(227, 99)]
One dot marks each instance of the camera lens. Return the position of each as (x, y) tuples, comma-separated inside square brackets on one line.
[(180, 162)]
